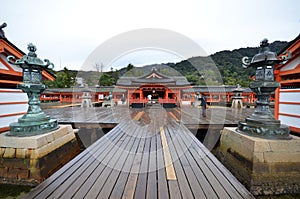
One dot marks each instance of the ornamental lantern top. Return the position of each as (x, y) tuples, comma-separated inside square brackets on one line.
[(32, 65), (264, 57), (2, 34), (264, 62), (238, 88)]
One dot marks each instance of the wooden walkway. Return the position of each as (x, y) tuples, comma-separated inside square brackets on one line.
[(108, 117), (136, 159)]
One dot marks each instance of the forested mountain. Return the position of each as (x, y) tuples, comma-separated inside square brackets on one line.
[(198, 70), (224, 67)]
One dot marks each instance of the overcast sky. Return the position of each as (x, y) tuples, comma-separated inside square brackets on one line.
[(68, 31)]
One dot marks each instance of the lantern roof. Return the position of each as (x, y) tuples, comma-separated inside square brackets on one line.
[(264, 55), (30, 60)]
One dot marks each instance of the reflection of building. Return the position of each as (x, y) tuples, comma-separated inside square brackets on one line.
[(73, 95), (13, 102), (86, 99), (287, 104), (214, 95), (154, 87), (79, 81), (165, 90), (237, 98), (219, 95)]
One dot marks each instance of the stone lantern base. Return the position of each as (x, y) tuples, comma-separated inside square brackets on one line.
[(32, 128), (30, 160), (35, 121), (272, 131), (264, 166)]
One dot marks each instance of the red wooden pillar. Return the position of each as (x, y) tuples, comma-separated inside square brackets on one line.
[(277, 94), (166, 94), (141, 94), (276, 106), (60, 98)]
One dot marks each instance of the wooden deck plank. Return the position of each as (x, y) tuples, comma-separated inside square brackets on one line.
[(138, 116), (85, 182), (220, 170), (61, 175), (110, 163), (202, 180), (163, 192), (133, 176), (233, 191), (119, 187), (185, 189), (77, 179), (141, 186), (174, 117), (170, 171), (152, 170), (214, 183), (183, 153), (174, 189), (142, 160), (86, 185), (118, 167), (188, 115), (122, 178)]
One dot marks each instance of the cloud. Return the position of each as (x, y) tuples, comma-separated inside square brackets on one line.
[(67, 31)]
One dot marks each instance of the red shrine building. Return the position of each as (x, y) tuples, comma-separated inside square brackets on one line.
[(172, 91), (153, 87), (287, 98)]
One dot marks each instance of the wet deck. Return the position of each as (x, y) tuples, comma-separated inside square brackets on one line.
[(151, 155), (191, 117)]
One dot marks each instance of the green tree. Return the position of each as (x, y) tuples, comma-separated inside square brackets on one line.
[(64, 79), (129, 67), (193, 79), (106, 80)]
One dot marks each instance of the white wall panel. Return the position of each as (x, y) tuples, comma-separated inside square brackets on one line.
[(289, 109), (13, 108), (290, 96), (5, 121), (290, 121), (13, 97)]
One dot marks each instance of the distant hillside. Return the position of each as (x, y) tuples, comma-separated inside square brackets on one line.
[(139, 71), (197, 70), (228, 63)]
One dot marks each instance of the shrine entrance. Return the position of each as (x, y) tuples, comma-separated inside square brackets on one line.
[(155, 92), (153, 88)]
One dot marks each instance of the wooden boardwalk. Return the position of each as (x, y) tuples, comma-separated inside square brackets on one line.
[(108, 117), (147, 156)]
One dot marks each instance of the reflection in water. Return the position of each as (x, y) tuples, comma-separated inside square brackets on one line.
[(89, 136), (146, 119)]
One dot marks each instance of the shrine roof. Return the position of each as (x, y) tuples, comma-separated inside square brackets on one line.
[(84, 89), (215, 89), (154, 77)]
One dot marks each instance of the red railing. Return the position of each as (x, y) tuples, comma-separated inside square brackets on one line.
[(167, 101), (138, 101), (49, 98)]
